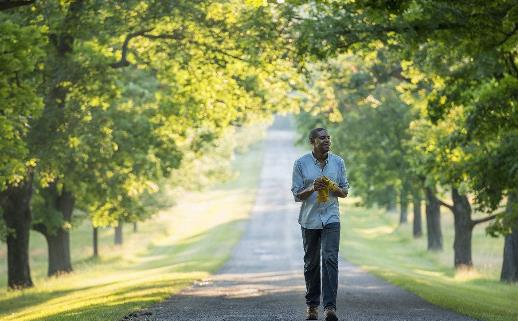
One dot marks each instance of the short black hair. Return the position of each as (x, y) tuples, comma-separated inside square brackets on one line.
[(314, 133)]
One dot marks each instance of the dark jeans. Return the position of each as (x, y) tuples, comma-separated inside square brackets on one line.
[(326, 240)]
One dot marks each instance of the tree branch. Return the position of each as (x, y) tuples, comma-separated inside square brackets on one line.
[(176, 35), (7, 4), (180, 36), (484, 219), (512, 65), (445, 204), (396, 73), (40, 227), (123, 62), (508, 35)]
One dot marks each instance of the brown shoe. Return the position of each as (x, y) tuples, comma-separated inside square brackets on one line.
[(330, 314), (312, 313)]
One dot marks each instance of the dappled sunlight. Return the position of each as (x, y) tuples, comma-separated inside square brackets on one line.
[(463, 275), (429, 273), (116, 291), (182, 244), (246, 285), (380, 246), (375, 231)]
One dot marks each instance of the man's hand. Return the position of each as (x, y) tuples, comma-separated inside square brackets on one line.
[(319, 184)]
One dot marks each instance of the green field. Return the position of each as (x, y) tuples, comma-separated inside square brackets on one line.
[(180, 245), (372, 239)]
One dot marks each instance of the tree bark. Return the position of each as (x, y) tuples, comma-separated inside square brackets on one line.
[(403, 202), (95, 239), (59, 252), (118, 233), (462, 257), (58, 239), (18, 218), (510, 261), (135, 227), (417, 228), (433, 221), (391, 200)]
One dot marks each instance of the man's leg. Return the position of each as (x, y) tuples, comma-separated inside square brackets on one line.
[(311, 242), (330, 247)]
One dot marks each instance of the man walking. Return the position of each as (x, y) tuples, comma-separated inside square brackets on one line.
[(319, 178)]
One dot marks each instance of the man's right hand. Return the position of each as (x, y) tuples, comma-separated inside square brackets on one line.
[(318, 184)]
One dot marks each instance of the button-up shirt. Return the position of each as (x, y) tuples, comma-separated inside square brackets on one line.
[(315, 215)]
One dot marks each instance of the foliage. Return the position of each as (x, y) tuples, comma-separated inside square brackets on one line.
[(207, 162), (167, 254), (459, 65), (356, 99), (127, 86), (20, 62)]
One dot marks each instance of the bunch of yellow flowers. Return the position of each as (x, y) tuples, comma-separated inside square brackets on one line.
[(323, 194)]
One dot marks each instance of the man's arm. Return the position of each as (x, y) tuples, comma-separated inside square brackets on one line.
[(297, 182), (305, 193), (316, 186), (340, 192), (343, 184), (300, 193)]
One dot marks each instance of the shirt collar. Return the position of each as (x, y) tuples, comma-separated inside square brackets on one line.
[(315, 160)]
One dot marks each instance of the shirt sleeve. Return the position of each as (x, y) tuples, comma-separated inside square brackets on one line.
[(343, 183), (297, 181)]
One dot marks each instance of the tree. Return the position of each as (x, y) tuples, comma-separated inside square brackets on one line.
[(19, 62), (356, 98), (464, 52), (102, 150)]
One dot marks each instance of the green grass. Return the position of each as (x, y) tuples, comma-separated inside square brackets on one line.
[(180, 245), (372, 239)]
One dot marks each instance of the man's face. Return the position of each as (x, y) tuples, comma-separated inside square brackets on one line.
[(322, 142)]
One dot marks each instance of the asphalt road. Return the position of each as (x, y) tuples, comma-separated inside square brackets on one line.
[(263, 280)]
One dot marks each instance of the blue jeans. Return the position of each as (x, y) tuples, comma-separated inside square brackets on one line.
[(327, 242)]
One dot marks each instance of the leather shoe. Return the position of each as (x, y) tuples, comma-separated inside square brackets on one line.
[(312, 313), (330, 314)]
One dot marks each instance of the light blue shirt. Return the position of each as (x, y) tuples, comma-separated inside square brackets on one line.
[(314, 215)]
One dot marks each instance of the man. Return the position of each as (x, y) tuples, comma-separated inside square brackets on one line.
[(320, 172)]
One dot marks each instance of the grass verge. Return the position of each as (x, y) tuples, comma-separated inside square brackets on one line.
[(373, 240), (180, 245)]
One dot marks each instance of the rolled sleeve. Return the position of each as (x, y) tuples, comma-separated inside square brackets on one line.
[(343, 183), (297, 181)]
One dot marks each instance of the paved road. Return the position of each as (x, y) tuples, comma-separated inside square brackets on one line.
[(263, 280)]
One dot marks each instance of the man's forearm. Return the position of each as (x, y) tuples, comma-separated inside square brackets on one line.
[(305, 193)]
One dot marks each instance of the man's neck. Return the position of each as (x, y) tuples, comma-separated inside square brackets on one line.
[(320, 157)]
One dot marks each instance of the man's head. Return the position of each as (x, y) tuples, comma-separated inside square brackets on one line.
[(320, 140)]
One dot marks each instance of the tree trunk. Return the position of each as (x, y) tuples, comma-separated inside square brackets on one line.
[(118, 233), (18, 219), (135, 227), (510, 261), (403, 202), (418, 225), (95, 241), (58, 238), (433, 221), (59, 252), (463, 230), (391, 200), (509, 271)]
